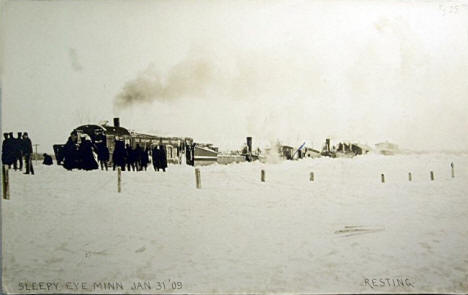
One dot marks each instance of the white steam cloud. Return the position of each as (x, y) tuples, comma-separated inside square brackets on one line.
[(388, 87)]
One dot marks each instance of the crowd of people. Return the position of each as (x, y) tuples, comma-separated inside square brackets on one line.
[(81, 154), (84, 154), (17, 152)]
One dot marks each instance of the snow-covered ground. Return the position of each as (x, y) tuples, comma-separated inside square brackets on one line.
[(239, 235)]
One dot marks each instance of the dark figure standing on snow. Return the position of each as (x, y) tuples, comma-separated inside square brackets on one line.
[(28, 150), (130, 158), (47, 160), (103, 156), (15, 149), (4, 143), (155, 156), (144, 159), (100, 138), (80, 151), (119, 155), (159, 158), (163, 159), (70, 152), (102, 150), (88, 162), (134, 158), (137, 152), (7, 158), (20, 152), (189, 154)]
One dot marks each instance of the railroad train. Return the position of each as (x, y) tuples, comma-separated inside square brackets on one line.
[(175, 146)]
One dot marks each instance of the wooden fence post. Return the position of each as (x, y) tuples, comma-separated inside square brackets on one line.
[(262, 175), (119, 179), (432, 175), (197, 178), (382, 177), (311, 176), (453, 169), (410, 176)]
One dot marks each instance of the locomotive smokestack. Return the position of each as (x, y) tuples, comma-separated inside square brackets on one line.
[(116, 122), (249, 144)]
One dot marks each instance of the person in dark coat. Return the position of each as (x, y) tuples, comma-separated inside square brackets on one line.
[(137, 152), (163, 156), (144, 159), (155, 156), (99, 138), (47, 160), (103, 156), (102, 150), (58, 151), (86, 150), (15, 148), (189, 154), (4, 143), (70, 152), (80, 152), (129, 158), (19, 152), (119, 155), (6, 150), (159, 158), (28, 150), (134, 155)]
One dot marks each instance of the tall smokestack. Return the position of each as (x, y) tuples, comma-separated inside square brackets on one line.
[(249, 144), (116, 122)]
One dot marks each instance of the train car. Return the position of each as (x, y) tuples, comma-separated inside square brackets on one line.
[(104, 133), (200, 154), (174, 146), (204, 155)]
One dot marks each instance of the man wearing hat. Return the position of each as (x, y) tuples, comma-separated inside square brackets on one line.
[(27, 150), (70, 152)]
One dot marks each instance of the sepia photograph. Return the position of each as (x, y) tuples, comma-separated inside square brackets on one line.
[(234, 147)]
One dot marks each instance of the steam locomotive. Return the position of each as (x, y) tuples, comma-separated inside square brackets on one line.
[(175, 146)]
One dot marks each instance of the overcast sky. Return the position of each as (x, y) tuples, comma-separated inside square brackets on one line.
[(219, 71)]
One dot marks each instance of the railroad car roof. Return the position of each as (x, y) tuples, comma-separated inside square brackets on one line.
[(110, 130), (171, 138)]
